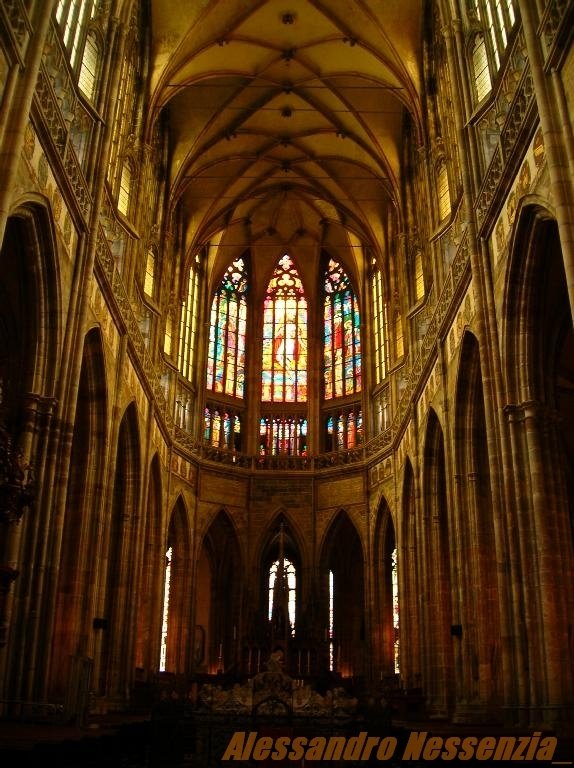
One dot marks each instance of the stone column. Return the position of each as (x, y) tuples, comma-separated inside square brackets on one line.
[(546, 513), (18, 99), (41, 627), (555, 142)]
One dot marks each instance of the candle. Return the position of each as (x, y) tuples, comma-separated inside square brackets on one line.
[(299, 662)]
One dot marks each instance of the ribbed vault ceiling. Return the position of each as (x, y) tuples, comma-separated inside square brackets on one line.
[(286, 115)]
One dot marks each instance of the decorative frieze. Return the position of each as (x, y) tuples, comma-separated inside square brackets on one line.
[(183, 468), (517, 126), (17, 22), (58, 132), (43, 176), (526, 180), (553, 20)]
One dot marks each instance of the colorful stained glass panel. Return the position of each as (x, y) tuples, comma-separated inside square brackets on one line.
[(284, 355), (226, 351), (342, 335)]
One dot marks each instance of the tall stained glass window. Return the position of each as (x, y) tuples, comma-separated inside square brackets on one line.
[(342, 335), (226, 352), (331, 621), (344, 429), (395, 590), (188, 322), (163, 647), (284, 364), (222, 428), (380, 316), (283, 435), (497, 18)]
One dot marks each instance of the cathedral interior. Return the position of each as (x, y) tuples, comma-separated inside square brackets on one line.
[(287, 357)]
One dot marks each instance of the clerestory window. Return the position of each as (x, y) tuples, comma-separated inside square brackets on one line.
[(227, 329), (497, 19), (342, 335), (284, 359), (380, 321)]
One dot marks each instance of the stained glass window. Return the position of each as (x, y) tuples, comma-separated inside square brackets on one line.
[(498, 18), (342, 335), (344, 429), (149, 279), (380, 315), (222, 428), (382, 409), (482, 79), (444, 204), (90, 64), (283, 435), (125, 188), (72, 17), (128, 105), (188, 322), (226, 352), (419, 276), (284, 363), (163, 647), (183, 406), (395, 591), (168, 335), (331, 621), (399, 336)]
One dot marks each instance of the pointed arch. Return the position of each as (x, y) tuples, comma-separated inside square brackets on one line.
[(342, 554), (149, 593), (30, 345), (77, 568), (283, 535), (436, 574), (478, 609), (284, 361), (117, 669), (386, 597), (177, 634), (341, 334), (295, 535), (227, 332), (534, 247), (30, 285), (410, 554), (30, 326), (538, 340), (219, 595)]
